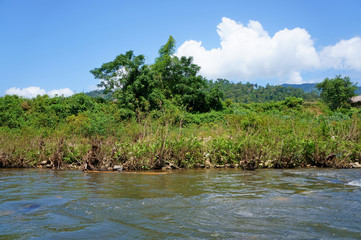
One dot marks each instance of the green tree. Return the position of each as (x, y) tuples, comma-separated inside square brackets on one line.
[(12, 111), (214, 99), (336, 92), (141, 87), (179, 78), (130, 80)]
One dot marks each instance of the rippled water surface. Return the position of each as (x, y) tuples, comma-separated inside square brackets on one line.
[(190, 204)]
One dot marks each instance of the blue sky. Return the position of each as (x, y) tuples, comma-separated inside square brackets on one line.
[(52, 45)]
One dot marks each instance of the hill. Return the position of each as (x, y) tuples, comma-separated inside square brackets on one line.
[(99, 94), (310, 87), (307, 87), (253, 93)]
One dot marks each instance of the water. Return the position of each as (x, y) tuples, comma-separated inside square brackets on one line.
[(191, 204)]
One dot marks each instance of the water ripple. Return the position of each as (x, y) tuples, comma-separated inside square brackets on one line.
[(192, 204)]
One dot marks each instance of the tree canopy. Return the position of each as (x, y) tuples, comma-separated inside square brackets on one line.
[(140, 86), (253, 93), (336, 92)]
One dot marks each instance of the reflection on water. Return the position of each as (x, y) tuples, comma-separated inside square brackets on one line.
[(196, 204)]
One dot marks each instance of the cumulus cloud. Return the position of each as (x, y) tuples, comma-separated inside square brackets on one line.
[(346, 54), (248, 52), (29, 92), (66, 92), (32, 92)]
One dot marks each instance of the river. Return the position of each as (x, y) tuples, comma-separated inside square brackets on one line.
[(186, 204)]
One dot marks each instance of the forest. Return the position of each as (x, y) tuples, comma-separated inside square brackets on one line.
[(167, 116)]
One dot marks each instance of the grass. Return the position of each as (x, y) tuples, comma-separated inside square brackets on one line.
[(246, 136)]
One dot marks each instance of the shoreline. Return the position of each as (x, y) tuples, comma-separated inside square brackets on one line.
[(168, 168), (269, 135)]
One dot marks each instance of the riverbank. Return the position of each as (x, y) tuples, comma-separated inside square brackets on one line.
[(167, 168), (100, 136), (240, 140)]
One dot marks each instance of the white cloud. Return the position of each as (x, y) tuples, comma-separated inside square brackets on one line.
[(29, 92), (346, 54), (249, 53), (66, 92), (32, 92)]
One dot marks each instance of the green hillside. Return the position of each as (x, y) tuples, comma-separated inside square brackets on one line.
[(309, 87)]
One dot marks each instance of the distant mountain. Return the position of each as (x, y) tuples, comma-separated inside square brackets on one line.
[(99, 94), (253, 93), (309, 87)]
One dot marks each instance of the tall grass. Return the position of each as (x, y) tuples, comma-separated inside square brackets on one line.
[(279, 135)]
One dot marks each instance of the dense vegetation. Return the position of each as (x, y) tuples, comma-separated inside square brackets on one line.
[(166, 115), (253, 93), (139, 87), (337, 92), (245, 92), (311, 87)]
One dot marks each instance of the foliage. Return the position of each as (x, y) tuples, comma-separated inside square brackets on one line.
[(253, 93), (140, 87), (72, 130), (12, 111), (336, 92), (165, 114)]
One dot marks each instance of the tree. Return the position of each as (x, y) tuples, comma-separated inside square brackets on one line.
[(336, 92), (139, 86), (179, 78), (12, 111), (181, 81), (121, 72), (130, 80)]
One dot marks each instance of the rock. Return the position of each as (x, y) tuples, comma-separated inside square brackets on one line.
[(207, 163), (118, 168), (103, 168), (236, 165), (219, 166), (44, 162), (48, 166), (355, 165), (227, 165)]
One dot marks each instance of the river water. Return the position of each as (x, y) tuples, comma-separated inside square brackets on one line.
[(189, 204)]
